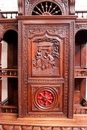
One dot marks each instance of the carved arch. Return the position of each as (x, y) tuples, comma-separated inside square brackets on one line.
[(29, 6), (79, 27), (46, 8), (6, 27)]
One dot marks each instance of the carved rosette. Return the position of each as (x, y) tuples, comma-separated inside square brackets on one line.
[(45, 98)]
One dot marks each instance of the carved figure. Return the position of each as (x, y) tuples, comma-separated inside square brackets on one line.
[(50, 59), (55, 51), (38, 58)]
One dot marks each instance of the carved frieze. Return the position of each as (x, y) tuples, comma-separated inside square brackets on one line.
[(38, 127), (80, 73), (47, 80), (59, 30)]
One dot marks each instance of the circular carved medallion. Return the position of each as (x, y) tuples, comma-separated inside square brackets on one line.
[(46, 98)]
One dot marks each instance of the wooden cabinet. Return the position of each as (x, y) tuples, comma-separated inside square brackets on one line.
[(46, 66)]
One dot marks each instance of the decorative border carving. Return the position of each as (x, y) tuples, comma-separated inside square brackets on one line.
[(38, 127), (25, 73), (20, 67), (32, 80), (66, 70), (71, 74), (58, 30)]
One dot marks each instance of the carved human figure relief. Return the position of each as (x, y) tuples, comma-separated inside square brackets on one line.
[(46, 57)]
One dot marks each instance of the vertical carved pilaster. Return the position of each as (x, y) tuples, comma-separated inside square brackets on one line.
[(71, 74), (19, 67)]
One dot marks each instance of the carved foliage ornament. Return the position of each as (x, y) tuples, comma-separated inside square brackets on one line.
[(59, 30)]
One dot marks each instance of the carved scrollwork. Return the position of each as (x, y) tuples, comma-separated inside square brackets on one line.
[(58, 30)]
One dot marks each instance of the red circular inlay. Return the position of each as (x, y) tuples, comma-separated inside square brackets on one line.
[(45, 98)]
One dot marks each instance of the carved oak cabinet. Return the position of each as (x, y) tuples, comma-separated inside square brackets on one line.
[(43, 67)]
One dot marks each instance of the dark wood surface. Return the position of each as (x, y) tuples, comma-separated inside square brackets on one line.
[(46, 69)]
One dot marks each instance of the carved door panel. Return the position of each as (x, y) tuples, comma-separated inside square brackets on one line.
[(47, 68)]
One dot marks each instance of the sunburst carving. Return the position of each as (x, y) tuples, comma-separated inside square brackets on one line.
[(46, 8)]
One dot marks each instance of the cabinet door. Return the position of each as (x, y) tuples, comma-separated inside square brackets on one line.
[(47, 73)]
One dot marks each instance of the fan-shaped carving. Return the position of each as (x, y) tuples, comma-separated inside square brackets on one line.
[(46, 8)]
